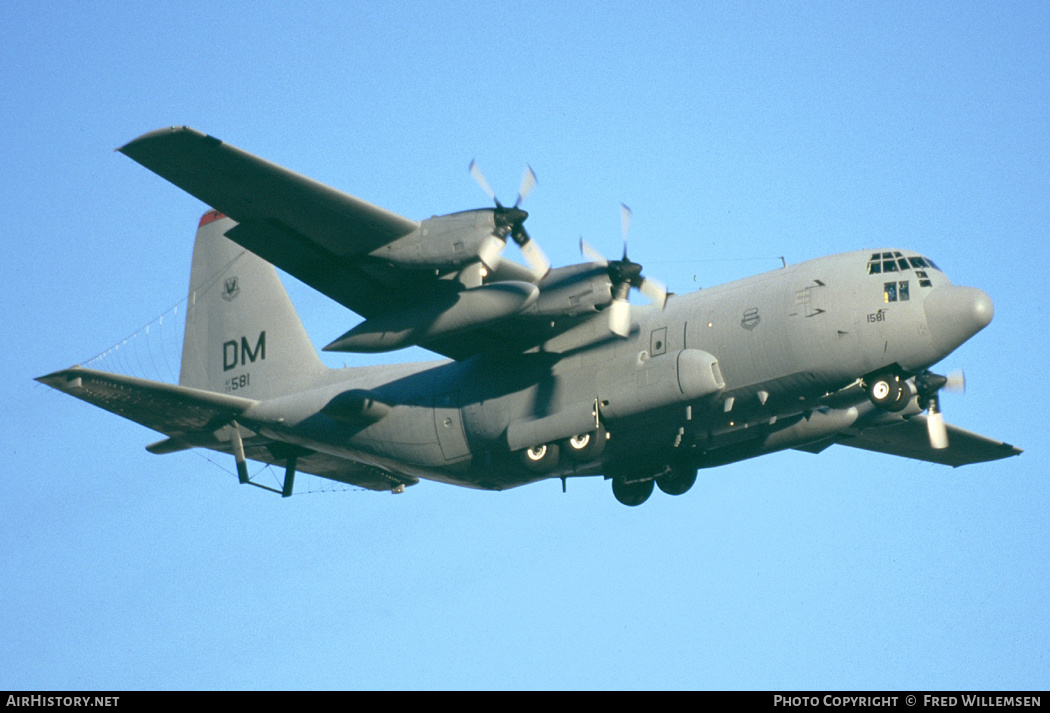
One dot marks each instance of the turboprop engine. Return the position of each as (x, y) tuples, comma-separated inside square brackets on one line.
[(445, 242), (450, 242)]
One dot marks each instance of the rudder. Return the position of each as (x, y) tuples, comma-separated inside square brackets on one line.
[(243, 335)]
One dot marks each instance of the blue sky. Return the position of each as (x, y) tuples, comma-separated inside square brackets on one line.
[(738, 133)]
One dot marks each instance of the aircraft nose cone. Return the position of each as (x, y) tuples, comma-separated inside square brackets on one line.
[(954, 314)]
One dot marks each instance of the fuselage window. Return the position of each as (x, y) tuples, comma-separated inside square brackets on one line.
[(889, 292), (902, 291)]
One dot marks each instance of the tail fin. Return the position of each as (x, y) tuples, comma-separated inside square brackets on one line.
[(243, 336)]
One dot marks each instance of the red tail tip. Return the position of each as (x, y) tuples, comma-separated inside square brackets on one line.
[(210, 217)]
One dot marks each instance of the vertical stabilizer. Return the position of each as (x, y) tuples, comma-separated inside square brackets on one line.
[(243, 335)]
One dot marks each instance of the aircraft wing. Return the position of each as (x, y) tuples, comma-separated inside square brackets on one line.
[(192, 418), (248, 188), (910, 439), (316, 233)]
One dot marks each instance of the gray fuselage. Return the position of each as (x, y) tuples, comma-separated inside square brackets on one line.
[(761, 364)]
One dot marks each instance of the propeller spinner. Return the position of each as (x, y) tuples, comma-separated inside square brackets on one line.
[(624, 275), (510, 221)]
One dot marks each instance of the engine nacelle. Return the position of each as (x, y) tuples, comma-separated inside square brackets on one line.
[(469, 309), (811, 427), (572, 290), (444, 242)]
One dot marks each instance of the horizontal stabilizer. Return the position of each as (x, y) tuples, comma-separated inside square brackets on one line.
[(193, 418), (167, 408), (170, 445), (215, 440)]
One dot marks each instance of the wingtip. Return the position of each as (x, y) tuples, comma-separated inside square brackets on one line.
[(61, 379), (161, 133)]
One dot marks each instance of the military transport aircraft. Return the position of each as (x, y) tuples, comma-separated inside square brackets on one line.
[(550, 373)]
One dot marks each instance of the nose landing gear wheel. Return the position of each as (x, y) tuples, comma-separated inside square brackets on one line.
[(888, 392)]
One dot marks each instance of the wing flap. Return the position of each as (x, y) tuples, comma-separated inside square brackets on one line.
[(909, 439), (248, 188)]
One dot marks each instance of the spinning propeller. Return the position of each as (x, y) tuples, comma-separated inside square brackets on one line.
[(625, 275), (929, 386), (510, 221)]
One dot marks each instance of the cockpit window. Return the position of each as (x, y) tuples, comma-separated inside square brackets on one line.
[(894, 291), (889, 292), (880, 263)]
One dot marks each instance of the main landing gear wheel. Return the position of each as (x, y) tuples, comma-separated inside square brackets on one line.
[(540, 459), (632, 494), (678, 481), (586, 446), (888, 392)]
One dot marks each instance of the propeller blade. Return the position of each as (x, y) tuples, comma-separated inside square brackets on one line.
[(510, 220), (620, 317), (956, 382), (929, 386), (535, 256), (528, 182), (489, 252), (591, 254), (654, 290), (625, 226), (937, 430), (479, 178)]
